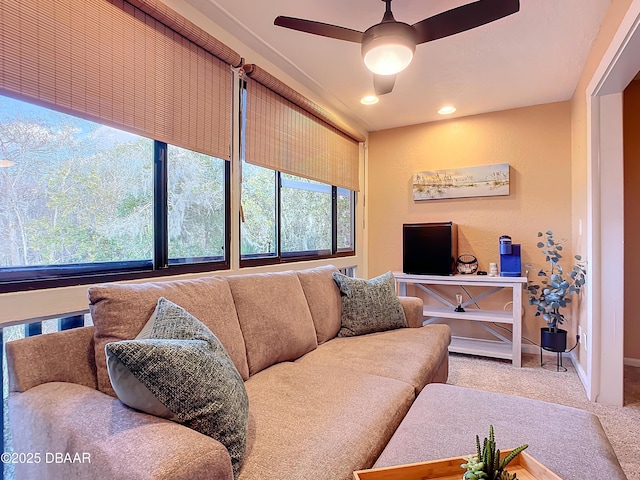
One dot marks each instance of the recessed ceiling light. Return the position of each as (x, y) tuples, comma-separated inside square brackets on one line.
[(446, 110), (369, 100)]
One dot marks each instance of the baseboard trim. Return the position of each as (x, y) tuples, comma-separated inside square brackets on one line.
[(582, 375), (632, 362)]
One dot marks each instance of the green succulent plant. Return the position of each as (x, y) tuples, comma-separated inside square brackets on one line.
[(552, 290), (486, 463)]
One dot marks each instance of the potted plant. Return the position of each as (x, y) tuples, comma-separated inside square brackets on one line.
[(486, 463), (552, 290)]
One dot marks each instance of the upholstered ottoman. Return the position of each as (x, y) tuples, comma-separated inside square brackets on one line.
[(444, 420)]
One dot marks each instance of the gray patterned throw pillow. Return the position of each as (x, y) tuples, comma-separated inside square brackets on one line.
[(369, 305), (178, 369)]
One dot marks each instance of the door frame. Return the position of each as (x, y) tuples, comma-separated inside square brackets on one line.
[(605, 211)]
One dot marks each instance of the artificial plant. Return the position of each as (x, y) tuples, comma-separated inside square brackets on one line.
[(486, 463), (552, 289)]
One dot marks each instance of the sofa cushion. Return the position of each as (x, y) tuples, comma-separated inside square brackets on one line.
[(320, 422), (176, 368), (119, 312), (323, 297), (274, 317), (412, 355), (369, 305)]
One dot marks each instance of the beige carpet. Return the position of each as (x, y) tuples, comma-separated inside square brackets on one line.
[(622, 424)]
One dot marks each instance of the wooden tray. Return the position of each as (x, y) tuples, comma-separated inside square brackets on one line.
[(524, 465)]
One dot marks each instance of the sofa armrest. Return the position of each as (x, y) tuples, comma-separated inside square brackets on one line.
[(105, 439), (66, 356), (412, 307)]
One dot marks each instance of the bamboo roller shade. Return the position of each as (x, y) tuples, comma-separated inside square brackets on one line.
[(114, 63), (287, 132)]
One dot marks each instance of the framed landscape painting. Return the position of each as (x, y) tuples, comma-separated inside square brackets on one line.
[(484, 181)]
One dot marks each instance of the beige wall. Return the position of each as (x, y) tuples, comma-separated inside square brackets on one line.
[(535, 141), (579, 159), (631, 121)]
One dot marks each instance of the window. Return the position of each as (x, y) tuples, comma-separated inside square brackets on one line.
[(306, 222), (196, 200), (287, 218), (73, 191), (91, 200), (293, 156), (345, 220), (259, 237), (80, 198)]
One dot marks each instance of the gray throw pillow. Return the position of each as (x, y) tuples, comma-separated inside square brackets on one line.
[(177, 368), (369, 305)]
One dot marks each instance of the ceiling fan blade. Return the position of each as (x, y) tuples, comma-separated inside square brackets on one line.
[(383, 84), (318, 28), (464, 18)]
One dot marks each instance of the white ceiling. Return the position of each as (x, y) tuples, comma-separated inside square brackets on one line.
[(533, 57)]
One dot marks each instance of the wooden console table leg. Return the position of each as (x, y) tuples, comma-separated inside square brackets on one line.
[(517, 325)]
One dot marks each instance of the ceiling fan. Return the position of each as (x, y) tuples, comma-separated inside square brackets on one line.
[(388, 47)]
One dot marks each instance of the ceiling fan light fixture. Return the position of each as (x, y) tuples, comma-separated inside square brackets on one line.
[(388, 59), (388, 48)]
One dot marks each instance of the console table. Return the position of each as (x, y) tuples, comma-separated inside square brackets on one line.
[(503, 347)]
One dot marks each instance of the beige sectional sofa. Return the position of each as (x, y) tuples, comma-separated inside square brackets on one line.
[(320, 406)]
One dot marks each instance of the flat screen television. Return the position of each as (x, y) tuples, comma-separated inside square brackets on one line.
[(429, 248)]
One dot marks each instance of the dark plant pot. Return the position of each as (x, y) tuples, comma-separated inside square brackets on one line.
[(553, 341)]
